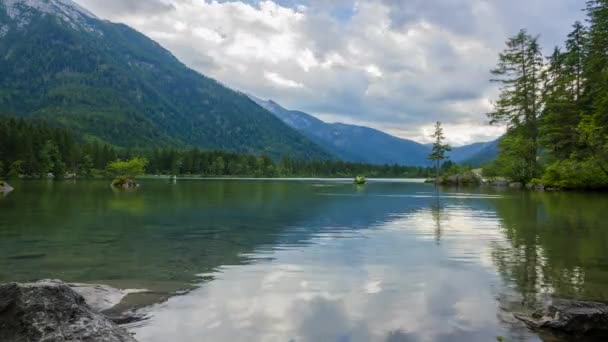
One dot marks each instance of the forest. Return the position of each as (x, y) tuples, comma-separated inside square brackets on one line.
[(33, 149), (555, 108)]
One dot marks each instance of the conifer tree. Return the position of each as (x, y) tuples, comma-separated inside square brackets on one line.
[(519, 71), (438, 153)]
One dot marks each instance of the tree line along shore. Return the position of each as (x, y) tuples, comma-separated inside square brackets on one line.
[(33, 149), (555, 107)]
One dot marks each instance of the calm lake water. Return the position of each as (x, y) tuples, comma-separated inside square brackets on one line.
[(235, 260)]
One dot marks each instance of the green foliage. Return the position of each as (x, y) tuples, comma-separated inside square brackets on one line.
[(86, 166), (129, 168), (557, 115), (40, 148), (519, 71), (536, 182), (575, 174), (50, 160), (223, 163), (16, 169), (491, 171), (514, 160), (450, 168)]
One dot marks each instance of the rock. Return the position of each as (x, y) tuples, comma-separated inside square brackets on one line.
[(5, 187), (516, 185), (571, 317), (103, 298), (500, 182), (465, 178), (99, 297), (125, 183), (49, 310)]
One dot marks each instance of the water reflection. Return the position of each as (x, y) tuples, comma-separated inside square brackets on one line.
[(313, 261), (391, 282), (557, 246)]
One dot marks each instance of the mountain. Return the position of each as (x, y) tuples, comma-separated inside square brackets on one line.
[(364, 144), (485, 155), (111, 83), (475, 154), (350, 142)]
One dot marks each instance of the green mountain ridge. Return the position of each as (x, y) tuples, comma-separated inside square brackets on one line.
[(363, 144), (113, 84)]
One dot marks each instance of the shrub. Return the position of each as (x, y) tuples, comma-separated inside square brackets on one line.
[(128, 169), (573, 174)]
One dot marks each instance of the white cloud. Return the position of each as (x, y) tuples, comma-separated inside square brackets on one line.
[(389, 63), (281, 81)]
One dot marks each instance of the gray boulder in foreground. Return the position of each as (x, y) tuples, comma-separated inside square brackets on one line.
[(571, 317), (50, 311)]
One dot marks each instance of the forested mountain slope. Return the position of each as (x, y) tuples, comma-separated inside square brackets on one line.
[(113, 84)]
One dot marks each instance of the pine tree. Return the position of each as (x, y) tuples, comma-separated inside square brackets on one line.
[(594, 124), (519, 71), (439, 149), (560, 116)]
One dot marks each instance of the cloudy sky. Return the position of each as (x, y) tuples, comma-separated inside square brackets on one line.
[(395, 65)]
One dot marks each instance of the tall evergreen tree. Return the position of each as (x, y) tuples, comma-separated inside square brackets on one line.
[(438, 153), (594, 124), (560, 116), (519, 71)]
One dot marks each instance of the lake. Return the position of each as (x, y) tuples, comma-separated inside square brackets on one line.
[(312, 260)]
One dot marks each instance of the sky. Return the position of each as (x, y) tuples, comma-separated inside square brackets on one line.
[(395, 65)]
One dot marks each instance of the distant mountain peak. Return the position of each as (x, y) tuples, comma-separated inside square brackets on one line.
[(365, 144), (66, 10)]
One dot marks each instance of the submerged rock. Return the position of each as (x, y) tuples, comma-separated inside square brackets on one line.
[(104, 298), (5, 187), (100, 297), (49, 310), (570, 317)]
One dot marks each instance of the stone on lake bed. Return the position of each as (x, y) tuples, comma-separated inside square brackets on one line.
[(571, 317), (5, 187), (101, 297), (49, 310)]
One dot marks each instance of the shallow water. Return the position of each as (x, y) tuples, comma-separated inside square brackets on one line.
[(312, 260)]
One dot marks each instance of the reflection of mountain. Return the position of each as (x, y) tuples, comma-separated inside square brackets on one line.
[(557, 245), (167, 233)]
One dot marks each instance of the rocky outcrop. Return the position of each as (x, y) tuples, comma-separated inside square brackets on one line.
[(49, 310), (465, 178), (125, 183), (570, 317)]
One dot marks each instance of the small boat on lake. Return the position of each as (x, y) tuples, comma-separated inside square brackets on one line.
[(360, 180)]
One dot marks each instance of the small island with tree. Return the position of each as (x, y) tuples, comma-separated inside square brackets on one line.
[(125, 172), (438, 153)]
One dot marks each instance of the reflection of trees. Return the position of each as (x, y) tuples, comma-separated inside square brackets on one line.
[(165, 233), (557, 244), (436, 213)]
